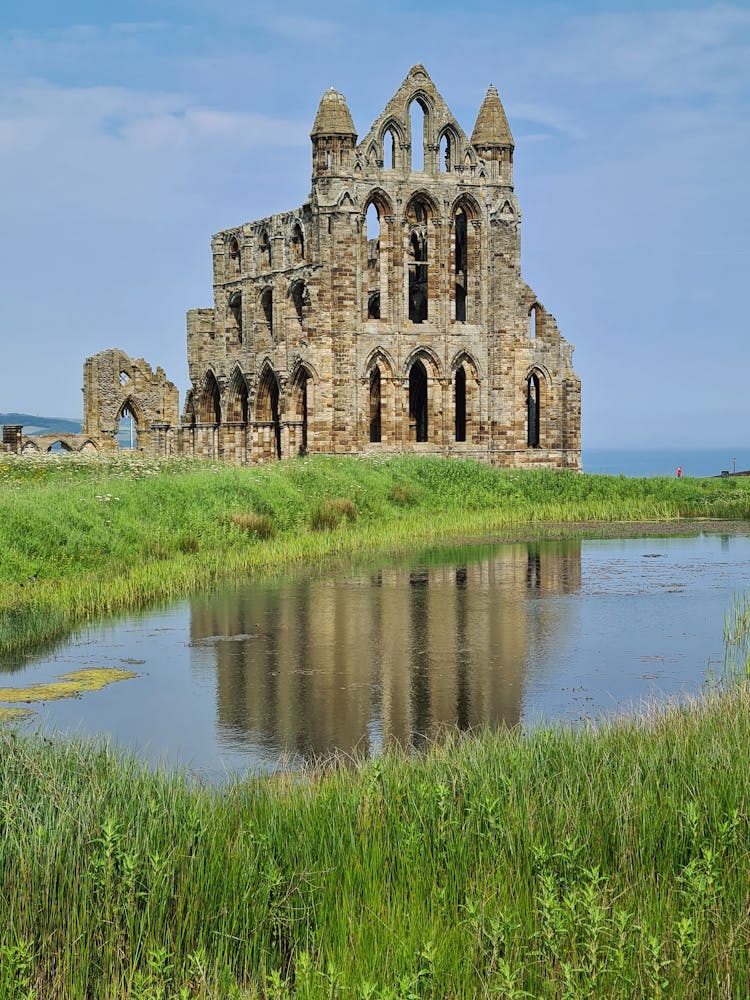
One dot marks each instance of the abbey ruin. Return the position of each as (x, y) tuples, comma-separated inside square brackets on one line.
[(386, 314)]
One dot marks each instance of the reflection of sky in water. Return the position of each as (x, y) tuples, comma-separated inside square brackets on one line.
[(560, 630), (648, 623)]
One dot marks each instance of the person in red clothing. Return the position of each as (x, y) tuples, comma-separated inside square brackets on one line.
[(679, 472)]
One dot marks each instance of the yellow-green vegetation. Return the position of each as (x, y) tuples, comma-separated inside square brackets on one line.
[(67, 685), (13, 714), (611, 862), (81, 537)]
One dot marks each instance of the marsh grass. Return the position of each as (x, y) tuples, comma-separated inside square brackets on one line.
[(259, 525), (329, 514), (403, 495), (82, 538), (609, 862)]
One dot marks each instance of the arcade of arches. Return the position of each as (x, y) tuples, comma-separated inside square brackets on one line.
[(386, 314)]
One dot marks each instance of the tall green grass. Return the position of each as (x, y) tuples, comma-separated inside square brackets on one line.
[(84, 538), (601, 863)]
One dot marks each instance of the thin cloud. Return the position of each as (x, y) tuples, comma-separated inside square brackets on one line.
[(35, 114), (551, 118), (193, 125), (667, 53)]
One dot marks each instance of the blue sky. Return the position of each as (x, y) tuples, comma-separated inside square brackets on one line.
[(129, 133)]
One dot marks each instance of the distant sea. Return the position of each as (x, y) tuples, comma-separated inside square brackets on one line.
[(664, 461)]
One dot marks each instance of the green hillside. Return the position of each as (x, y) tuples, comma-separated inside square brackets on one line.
[(42, 425)]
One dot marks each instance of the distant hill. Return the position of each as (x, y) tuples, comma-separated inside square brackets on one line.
[(42, 425)]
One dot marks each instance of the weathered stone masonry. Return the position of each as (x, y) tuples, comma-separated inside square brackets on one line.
[(114, 384), (386, 314)]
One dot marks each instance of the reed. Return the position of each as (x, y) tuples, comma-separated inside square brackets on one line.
[(609, 862)]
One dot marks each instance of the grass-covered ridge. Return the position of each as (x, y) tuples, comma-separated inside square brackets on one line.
[(611, 863), (80, 538)]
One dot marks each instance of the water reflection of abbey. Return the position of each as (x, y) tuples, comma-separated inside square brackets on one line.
[(350, 663)]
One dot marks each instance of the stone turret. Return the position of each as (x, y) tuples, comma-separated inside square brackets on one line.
[(333, 135), (492, 138)]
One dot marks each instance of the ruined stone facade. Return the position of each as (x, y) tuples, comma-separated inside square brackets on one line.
[(388, 313), (115, 385)]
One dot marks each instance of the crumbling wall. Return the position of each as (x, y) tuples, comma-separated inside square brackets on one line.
[(114, 383)]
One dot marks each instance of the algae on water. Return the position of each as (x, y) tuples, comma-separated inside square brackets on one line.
[(67, 686), (13, 714)]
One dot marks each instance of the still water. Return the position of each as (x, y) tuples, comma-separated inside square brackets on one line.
[(273, 673)]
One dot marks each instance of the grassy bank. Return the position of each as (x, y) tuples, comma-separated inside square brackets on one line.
[(564, 865), (82, 538), (599, 863)]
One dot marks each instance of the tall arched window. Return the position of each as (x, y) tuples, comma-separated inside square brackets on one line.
[(237, 407), (266, 304), (127, 427), (267, 412), (418, 118), (389, 150), (235, 311), (462, 264), (300, 297), (209, 405), (298, 244), (532, 321), (533, 406), (234, 268), (300, 399), (417, 262), (445, 153), (376, 404), (418, 402), (265, 252), (460, 401), (373, 261)]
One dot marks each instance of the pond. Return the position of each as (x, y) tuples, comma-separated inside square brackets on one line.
[(270, 674)]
